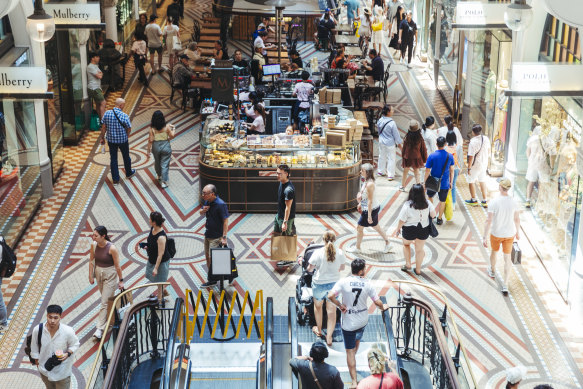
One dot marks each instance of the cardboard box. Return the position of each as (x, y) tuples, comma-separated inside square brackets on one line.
[(346, 132), (335, 139), (322, 95), (330, 96), (336, 96)]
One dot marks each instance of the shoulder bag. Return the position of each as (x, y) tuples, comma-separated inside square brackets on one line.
[(434, 183), (378, 26), (381, 385), (314, 375), (118, 119), (432, 229)]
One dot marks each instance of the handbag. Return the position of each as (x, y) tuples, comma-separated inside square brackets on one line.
[(378, 26), (448, 211), (314, 375), (122, 306), (434, 183), (432, 229), (284, 247), (176, 44), (516, 254), (94, 123)]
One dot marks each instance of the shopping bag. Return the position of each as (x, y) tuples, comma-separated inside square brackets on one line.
[(448, 207), (516, 254), (356, 28), (122, 306), (94, 123), (284, 248)]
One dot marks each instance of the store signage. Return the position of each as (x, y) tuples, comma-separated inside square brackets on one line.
[(540, 77), (475, 14), (23, 80), (222, 85), (74, 13)]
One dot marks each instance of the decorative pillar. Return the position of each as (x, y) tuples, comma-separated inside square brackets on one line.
[(110, 19), (467, 93)]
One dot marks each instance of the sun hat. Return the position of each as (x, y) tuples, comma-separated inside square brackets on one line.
[(367, 11), (413, 126)]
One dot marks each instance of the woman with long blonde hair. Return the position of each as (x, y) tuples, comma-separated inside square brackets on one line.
[(378, 378), (327, 262)]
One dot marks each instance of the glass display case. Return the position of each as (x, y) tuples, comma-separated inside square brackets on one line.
[(225, 145)]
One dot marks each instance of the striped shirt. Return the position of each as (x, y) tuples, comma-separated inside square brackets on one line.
[(116, 133)]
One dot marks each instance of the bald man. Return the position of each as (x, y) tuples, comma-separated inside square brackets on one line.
[(116, 127)]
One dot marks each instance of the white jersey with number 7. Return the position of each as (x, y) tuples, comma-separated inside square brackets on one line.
[(354, 291)]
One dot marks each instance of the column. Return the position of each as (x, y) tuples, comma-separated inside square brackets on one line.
[(110, 19), (467, 92)]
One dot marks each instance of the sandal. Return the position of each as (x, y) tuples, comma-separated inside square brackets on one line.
[(405, 268), (316, 332)]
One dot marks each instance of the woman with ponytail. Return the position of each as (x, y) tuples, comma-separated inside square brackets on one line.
[(429, 134), (327, 262), (105, 268)]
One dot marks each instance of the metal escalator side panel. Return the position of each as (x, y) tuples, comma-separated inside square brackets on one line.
[(293, 335), (170, 344), (268, 331), (391, 343)]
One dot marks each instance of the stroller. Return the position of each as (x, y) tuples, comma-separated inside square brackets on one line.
[(304, 297)]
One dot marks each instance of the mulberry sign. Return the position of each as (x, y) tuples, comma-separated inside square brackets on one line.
[(23, 80), (74, 13)]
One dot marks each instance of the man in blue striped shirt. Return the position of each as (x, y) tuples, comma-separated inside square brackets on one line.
[(118, 127)]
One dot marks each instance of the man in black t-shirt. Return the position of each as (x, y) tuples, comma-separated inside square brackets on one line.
[(286, 203), (328, 376), (407, 37), (173, 11)]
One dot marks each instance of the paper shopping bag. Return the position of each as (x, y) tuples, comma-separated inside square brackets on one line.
[(284, 248)]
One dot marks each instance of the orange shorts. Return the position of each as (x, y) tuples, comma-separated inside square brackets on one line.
[(506, 243)]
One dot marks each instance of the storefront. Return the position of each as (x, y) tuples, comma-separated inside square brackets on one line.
[(548, 161), (22, 89)]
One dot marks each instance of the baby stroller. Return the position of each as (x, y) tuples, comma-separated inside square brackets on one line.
[(304, 300)]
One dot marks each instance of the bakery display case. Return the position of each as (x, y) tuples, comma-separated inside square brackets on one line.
[(243, 168)]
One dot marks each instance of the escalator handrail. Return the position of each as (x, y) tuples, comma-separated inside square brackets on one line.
[(180, 359), (392, 344), (176, 315), (454, 325), (293, 336), (269, 343)]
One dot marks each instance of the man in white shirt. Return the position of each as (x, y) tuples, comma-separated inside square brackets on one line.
[(354, 289), (478, 153), (154, 33), (53, 356), (504, 220), (94, 76), (259, 42)]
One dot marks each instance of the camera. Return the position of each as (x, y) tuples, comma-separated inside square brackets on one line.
[(143, 245), (52, 362)]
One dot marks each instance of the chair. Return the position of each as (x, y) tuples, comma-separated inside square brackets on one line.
[(365, 99), (385, 83), (373, 114)]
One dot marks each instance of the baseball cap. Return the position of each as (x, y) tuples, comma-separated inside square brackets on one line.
[(505, 183), (515, 374), (327, 10)]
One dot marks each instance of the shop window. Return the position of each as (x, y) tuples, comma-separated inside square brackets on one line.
[(560, 42), (548, 180)]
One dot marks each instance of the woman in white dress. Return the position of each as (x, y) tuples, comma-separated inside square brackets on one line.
[(170, 33), (377, 36)]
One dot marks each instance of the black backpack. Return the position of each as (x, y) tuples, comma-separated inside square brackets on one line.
[(8, 260), (171, 247), (27, 347)]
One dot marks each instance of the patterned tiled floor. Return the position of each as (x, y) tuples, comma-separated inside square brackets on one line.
[(497, 332)]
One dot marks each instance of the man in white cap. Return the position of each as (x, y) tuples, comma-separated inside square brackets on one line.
[(514, 375), (504, 219)]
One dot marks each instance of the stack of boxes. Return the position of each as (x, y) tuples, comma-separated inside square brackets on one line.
[(330, 96), (342, 133)]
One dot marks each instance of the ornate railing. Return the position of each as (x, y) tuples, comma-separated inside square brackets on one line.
[(145, 325)]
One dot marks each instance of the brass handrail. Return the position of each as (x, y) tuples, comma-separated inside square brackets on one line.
[(452, 321), (160, 285)]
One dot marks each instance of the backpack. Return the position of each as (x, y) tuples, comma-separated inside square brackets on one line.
[(8, 260), (171, 247), (27, 347)]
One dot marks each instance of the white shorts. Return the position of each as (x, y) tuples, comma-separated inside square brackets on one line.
[(534, 174), (477, 174)]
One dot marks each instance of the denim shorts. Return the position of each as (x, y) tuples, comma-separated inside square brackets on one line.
[(351, 337), (320, 291)]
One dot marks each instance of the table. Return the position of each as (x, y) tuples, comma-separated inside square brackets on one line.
[(273, 54), (340, 28), (210, 31), (353, 50), (201, 82), (209, 38), (347, 39), (207, 52), (361, 115), (208, 45)]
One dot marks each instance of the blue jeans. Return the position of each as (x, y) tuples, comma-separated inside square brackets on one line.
[(3, 313), (456, 173), (162, 153), (127, 161)]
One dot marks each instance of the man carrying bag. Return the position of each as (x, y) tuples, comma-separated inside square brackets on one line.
[(441, 165), (284, 239)]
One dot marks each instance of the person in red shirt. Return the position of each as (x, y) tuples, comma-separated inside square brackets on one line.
[(378, 379)]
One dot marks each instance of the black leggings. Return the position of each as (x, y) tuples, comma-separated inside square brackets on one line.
[(404, 46)]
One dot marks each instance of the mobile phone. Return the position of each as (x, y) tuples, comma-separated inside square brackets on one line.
[(143, 245)]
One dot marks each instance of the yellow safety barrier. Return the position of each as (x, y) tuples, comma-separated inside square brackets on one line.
[(192, 324)]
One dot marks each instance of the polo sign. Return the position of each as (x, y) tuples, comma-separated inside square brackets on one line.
[(473, 14), (74, 13), (542, 77), (17, 80)]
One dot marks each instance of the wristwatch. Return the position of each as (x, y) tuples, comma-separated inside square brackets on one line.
[(121, 280), (224, 236)]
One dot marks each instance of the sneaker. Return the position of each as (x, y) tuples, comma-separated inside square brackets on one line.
[(115, 182), (164, 184), (409, 65), (133, 173), (402, 188), (388, 248), (98, 334), (527, 203), (380, 174), (354, 250), (484, 204), (472, 202), (390, 178), (3, 328), (504, 290), (439, 221), (285, 263), (208, 284), (490, 272)]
